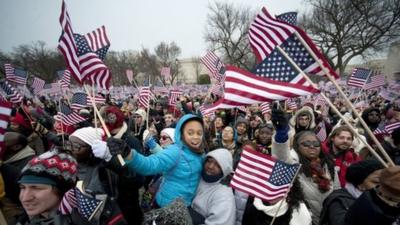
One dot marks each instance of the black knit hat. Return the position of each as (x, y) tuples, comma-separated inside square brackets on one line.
[(358, 172)]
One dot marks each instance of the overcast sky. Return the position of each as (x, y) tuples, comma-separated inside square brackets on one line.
[(130, 24)]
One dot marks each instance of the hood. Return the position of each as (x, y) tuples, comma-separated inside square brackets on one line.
[(181, 122), (303, 109), (224, 159), (170, 132)]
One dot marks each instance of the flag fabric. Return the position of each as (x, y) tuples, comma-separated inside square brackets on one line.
[(289, 17), (206, 113), (10, 93), (265, 108), (84, 63), (68, 203), (262, 176), (358, 77), (79, 101), (145, 95), (291, 104), (379, 131), (52, 89), (98, 99), (389, 128), (166, 72), (64, 78), (321, 131), (266, 33), (15, 75), (129, 75), (67, 116), (9, 70), (98, 41), (245, 88), (87, 205), (37, 85), (5, 112), (173, 97), (217, 89), (375, 81), (214, 66)]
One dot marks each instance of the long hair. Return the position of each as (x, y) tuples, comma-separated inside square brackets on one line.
[(324, 158)]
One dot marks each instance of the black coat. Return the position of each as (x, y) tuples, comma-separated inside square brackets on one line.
[(335, 207)]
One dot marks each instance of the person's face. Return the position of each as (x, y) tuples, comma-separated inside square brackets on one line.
[(165, 139), (193, 135), (267, 117), (309, 147), (218, 122), (254, 122), (265, 135), (241, 128), (14, 126), (227, 134), (211, 167), (342, 141), (303, 121), (38, 199), (374, 117), (159, 107), (80, 150), (168, 119), (371, 181), (138, 119)]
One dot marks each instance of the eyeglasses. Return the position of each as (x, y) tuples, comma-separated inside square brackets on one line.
[(164, 138), (76, 147), (309, 144)]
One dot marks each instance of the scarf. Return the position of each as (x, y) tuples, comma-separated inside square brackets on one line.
[(319, 176), (353, 190), (277, 209)]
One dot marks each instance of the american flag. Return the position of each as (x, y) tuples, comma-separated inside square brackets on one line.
[(265, 108), (166, 72), (217, 89), (8, 92), (15, 75), (358, 77), (266, 33), (173, 97), (98, 41), (289, 17), (83, 62), (37, 85), (87, 205), (98, 99), (64, 77), (375, 81), (79, 100), (262, 176), (5, 112), (129, 75), (291, 104), (53, 88), (245, 88), (67, 116), (206, 113), (214, 65), (145, 95), (321, 131), (68, 202), (379, 131), (9, 70), (391, 127)]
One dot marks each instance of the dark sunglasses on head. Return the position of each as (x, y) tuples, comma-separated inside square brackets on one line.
[(309, 144)]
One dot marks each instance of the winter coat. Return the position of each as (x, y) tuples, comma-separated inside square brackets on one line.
[(215, 201), (180, 166), (335, 207), (53, 219)]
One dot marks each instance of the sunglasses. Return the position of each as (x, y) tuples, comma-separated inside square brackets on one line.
[(164, 138), (309, 144)]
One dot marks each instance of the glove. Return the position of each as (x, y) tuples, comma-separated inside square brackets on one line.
[(150, 142), (101, 151), (390, 182), (279, 119), (39, 128), (118, 146)]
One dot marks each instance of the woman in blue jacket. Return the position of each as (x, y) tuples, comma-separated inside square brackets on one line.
[(180, 163)]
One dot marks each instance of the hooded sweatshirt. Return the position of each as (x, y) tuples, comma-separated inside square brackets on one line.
[(215, 201), (180, 167)]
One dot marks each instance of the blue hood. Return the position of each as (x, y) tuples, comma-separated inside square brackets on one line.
[(184, 119)]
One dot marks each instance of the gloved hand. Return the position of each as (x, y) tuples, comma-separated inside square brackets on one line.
[(39, 128), (101, 151), (279, 119), (150, 142), (390, 182), (118, 146)]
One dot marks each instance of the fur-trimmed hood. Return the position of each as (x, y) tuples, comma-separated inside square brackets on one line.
[(304, 109)]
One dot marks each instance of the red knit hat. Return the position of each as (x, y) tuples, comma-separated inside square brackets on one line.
[(114, 117), (20, 120)]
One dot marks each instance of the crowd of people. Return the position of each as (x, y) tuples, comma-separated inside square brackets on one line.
[(164, 155)]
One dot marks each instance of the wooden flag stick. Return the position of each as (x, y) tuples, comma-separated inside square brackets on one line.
[(286, 194), (349, 104), (332, 106)]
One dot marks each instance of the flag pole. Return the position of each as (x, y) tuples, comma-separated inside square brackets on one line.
[(349, 104), (62, 125), (148, 109), (285, 196), (374, 153), (92, 99)]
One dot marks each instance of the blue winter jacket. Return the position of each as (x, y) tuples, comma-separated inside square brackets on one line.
[(180, 167)]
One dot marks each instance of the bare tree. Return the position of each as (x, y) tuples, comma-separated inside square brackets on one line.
[(167, 55), (197, 67), (148, 64), (226, 32), (119, 62), (345, 29)]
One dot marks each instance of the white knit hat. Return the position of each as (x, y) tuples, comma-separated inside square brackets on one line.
[(141, 113), (88, 134), (170, 132)]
